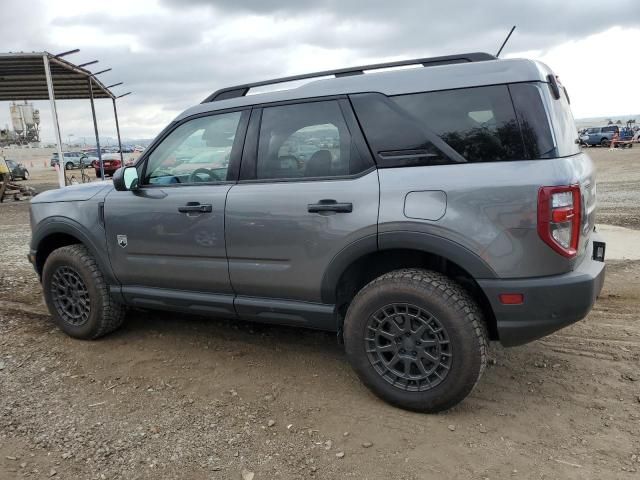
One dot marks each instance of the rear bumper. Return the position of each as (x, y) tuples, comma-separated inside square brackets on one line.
[(550, 303), (107, 170)]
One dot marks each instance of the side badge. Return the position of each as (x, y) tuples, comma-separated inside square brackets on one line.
[(122, 240)]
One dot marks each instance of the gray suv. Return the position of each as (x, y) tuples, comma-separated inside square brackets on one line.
[(599, 135), (418, 213), (71, 160)]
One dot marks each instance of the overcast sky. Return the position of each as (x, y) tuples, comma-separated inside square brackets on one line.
[(173, 53)]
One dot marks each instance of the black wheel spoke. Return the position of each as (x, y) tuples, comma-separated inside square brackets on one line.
[(386, 348), (408, 347), (407, 366), (429, 357), (423, 371), (386, 335)]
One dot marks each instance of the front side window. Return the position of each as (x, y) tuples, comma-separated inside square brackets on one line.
[(478, 123), (302, 141), (197, 151)]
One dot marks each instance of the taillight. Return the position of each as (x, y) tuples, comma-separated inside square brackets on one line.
[(559, 218)]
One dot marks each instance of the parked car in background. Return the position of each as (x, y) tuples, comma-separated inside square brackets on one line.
[(111, 162), (17, 170), (599, 135), (71, 159), (626, 134)]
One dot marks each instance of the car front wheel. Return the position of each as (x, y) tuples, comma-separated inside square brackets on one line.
[(77, 295), (416, 339)]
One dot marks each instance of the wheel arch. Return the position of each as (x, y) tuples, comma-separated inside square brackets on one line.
[(368, 258), (56, 232)]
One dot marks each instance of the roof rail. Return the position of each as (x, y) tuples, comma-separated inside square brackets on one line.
[(242, 90)]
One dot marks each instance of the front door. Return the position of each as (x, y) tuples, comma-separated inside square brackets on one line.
[(308, 190), (166, 239)]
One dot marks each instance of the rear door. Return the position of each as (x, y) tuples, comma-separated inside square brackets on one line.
[(166, 239), (308, 189)]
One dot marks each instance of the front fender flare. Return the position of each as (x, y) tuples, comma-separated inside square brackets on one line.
[(68, 226)]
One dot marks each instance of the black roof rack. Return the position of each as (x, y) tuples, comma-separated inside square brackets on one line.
[(242, 90)]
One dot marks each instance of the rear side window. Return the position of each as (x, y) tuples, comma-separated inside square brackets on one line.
[(306, 140), (479, 123)]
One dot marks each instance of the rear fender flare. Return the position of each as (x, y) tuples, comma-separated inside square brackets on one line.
[(405, 240)]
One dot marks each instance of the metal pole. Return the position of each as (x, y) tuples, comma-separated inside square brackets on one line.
[(95, 127), (56, 126), (115, 112)]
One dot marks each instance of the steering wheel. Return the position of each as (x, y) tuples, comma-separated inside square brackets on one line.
[(194, 178)]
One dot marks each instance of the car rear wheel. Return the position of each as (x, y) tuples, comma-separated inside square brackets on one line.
[(68, 166), (416, 339), (605, 142), (77, 295), (25, 175)]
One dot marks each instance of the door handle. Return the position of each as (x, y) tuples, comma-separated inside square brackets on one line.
[(195, 207), (330, 206)]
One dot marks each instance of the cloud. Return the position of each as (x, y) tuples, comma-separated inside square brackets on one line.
[(173, 53), (428, 26)]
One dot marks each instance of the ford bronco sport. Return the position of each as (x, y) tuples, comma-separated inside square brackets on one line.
[(417, 212)]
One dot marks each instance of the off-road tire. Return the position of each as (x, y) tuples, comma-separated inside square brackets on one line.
[(68, 166), (105, 315), (456, 312)]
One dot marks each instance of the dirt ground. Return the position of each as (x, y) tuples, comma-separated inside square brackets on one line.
[(175, 396)]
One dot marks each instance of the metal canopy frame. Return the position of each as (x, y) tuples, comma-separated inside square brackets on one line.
[(44, 76), (242, 90)]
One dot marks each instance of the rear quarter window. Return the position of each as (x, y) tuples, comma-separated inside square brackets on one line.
[(479, 123), (533, 119), (564, 127)]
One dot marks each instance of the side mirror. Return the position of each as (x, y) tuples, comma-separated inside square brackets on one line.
[(125, 178)]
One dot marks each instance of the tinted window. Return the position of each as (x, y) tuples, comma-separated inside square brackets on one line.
[(196, 151), (564, 127), (304, 141), (479, 123), (533, 119)]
